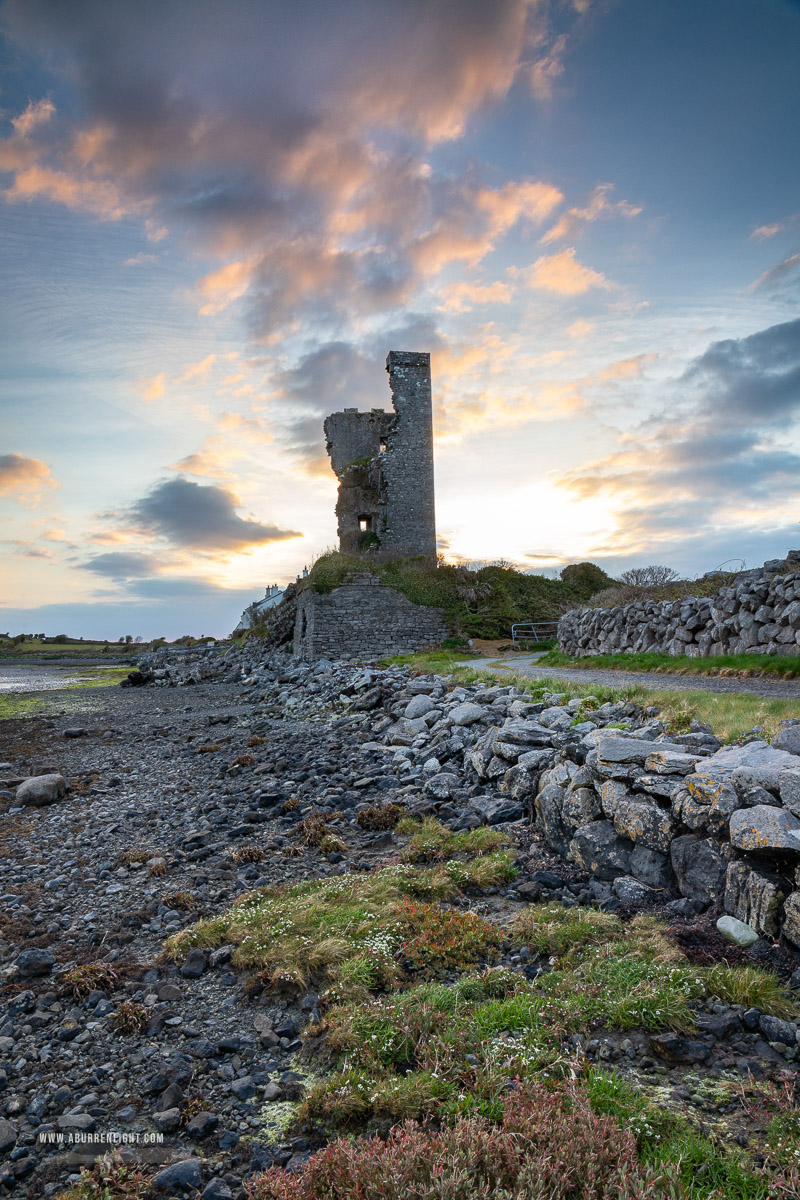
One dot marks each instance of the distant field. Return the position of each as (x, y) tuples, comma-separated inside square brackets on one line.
[(56, 650)]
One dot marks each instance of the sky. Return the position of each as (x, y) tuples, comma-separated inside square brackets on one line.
[(216, 219)]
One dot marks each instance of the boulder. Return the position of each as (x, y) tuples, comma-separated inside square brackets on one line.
[(645, 823), (788, 739), (632, 750), (493, 812), (765, 828), (630, 891), (467, 713), (600, 851), (674, 1048), (790, 790), (442, 786), (41, 790), (754, 898), (183, 1177), (791, 919), (549, 803), (651, 867), (671, 762), (612, 792), (581, 805), (418, 706), (737, 932), (524, 733), (699, 867)]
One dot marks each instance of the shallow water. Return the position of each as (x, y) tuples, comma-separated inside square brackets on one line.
[(34, 678)]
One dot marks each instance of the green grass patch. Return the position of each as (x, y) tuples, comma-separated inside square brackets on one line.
[(351, 931), (744, 665), (430, 841), (706, 1169)]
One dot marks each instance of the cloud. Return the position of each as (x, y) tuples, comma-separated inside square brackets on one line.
[(581, 329), (599, 206), (563, 274), (123, 566), (293, 152), (202, 517), (461, 296), (769, 231), (24, 478), (152, 389), (717, 455), (784, 272), (547, 69), (626, 368)]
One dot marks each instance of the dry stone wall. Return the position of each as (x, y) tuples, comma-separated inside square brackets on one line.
[(363, 618), (758, 614)]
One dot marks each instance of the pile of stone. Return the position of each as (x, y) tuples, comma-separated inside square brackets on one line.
[(638, 809), (758, 614)]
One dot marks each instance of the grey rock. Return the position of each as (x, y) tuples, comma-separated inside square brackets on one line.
[(244, 1088), (467, 713), (651, 867), (80, 1121), (195, 963), (775, 1029), (754, 897), (787, 739), (581, 805), (8, 1135), (548, 804), (645, 823), (736, 931), (789, 785), (791, 919), (612, 792), (675, 1048), (525, 733), (632, 750), (41, 790), (699, 867), (181, 1177), (34, 962), (671, 762), (599, 850), (442, 786), (418, 707), (216, 1189), (630, 890), (765, 828), (493, 812), (720, 1025), (202, 1125), (168, 1120)]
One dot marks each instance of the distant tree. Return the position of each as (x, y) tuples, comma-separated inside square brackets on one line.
[(653, 576), (138, 637), (122, 639), (61, 638), (586, 577)]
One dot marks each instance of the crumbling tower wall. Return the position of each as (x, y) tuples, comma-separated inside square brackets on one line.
[(384, 462)]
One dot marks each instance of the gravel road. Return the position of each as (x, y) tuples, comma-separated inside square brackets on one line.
[(526, 664)]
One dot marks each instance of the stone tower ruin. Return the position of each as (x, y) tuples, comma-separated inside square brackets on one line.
[(384, 462)]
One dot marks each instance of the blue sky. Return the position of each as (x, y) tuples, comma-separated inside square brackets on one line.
[(216, 220)]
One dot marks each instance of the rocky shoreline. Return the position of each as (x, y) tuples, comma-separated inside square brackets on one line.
[(170, 802)]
